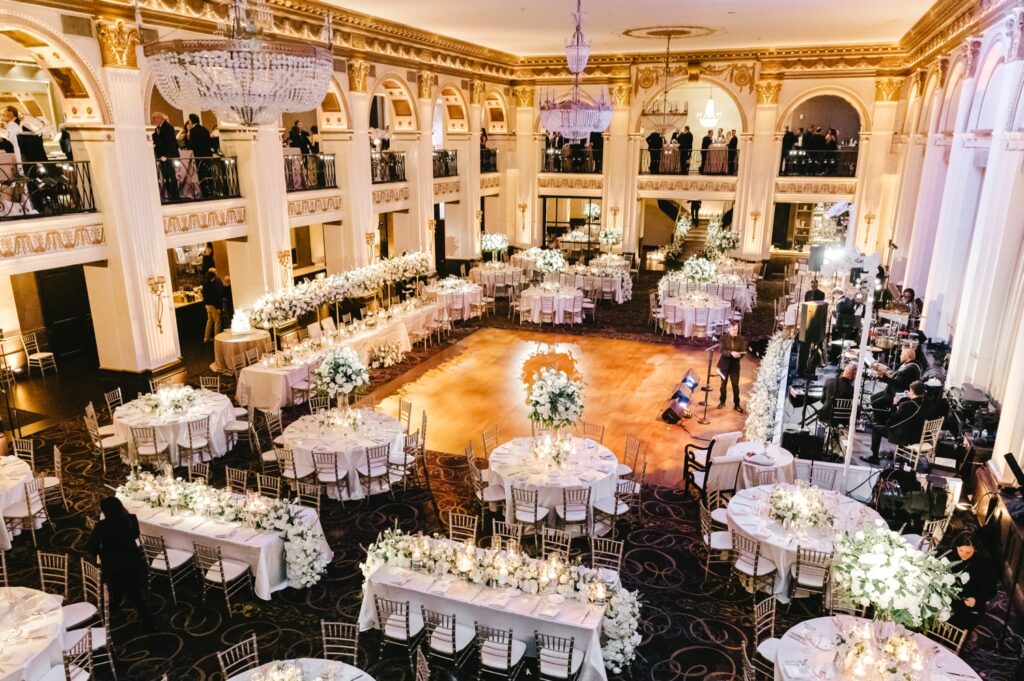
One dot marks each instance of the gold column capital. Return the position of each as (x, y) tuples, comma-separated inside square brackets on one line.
[(888, 89), (358, 75), (117, 44), (523, 95), (768, 91), (620, 94), (425, 81), (476, 92)]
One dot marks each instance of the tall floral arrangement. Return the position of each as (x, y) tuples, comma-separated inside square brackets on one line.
[(549, 260), (340, 373), (493, 243), (762, 404), (719, 240), (555, 400), (610, 236)]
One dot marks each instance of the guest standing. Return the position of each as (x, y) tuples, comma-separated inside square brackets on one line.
[(733, 145), (705, 144), (202, 149), (982, 582), (115, 541), (213, 299), (654, 144), (686, 149), (734, 346), (788, 142), (165, 148)]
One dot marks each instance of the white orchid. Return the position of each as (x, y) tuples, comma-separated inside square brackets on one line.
[(340, 373)]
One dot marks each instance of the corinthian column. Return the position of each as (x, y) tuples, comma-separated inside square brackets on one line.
[(526, 163), (759, 164)]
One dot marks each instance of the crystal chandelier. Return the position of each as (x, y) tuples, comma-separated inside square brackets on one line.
[(243, 77), (573, 118), (659, 114), (709, 118)]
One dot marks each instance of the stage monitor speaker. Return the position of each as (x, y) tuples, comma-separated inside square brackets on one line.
[(816, 259), (811, 323), (674, 413)]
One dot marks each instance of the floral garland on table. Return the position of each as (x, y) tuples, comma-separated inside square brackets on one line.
[(762, 404), (876, 567), (340, 373), (493, 243), (176, 399), (610, 236), (719, 240), (799, 505), (274, 309), (549, 260), (303, 543), (441, 557), (555, 400), (385, 355)]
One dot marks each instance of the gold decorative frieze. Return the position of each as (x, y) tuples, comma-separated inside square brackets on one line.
[(358, 75), (39, 242), (425, 82), (390, 195), (888, 89), (817, 187), (314, 206), (476, 92), (817, 65), (768, 91), (490, 181), (686, 184), (620, 94), (944, 24), (452, 187), (203, 220), (117, 44), (523, 95), (741, 75), (568, 182)]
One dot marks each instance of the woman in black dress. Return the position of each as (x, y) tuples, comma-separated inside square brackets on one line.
[(115, 540), (982, 582)]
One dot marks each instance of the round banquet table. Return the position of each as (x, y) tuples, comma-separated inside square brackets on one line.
[(564, 298), (171, 428), (772, 457), (748, 513), (610, 260), (305, 436), (228, 344), (490, 275), (330, 670), (685, 312), (31, 633), (807, 651), (591, 465), (14, 473), (471, 294)]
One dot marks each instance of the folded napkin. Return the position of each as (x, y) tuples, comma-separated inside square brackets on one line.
[(226, 533), (440, 587), (795, 670), (170, 522), (549, 611), (500, 600), (759, 459)]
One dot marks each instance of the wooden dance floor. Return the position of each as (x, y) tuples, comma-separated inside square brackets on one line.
[(478, 383)]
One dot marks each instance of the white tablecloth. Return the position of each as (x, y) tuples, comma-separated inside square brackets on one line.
[(262, 550), (228, 344), (591, 465), (579, 280), (471, 293), (488, 275), (770, 457), (797, 660), (562, 302), (14, 473), (31, 633), (305, 436), (523, 262), (748, 513), (172, 428), (683, 311), (311, 669), (472, 603)]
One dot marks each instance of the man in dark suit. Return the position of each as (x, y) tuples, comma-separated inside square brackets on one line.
[(685, 149), (654, 144), (788, 141), (814, 294), (597, 149), (846, 322), (200, 143), (694, 212), (895, 381), (165, 147), (733, 145), (705, 144), (733, 347), (838, 388), (904, 424)]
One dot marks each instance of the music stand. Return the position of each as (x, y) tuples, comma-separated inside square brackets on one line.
[(704, 420)]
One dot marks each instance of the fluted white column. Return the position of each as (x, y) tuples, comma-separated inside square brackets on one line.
[(872, 232), (911, 166), (526, 163), (758, 167), (359, 186), (619, 173), (469, 165)]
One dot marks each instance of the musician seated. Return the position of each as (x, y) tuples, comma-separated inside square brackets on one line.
[(895, 381), (910, 303), (904, 423), (838, 388), (847, 317)]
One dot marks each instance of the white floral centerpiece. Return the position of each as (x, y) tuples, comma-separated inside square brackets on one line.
[(698, 270), (719, 240), (493, 243), (876, 567), (450, 284), (443, 558), (555, 400), (549, 260), (864, 651), (608, 270), (577, 236), (798, 506), (610, 236), (385, 355), (552, 450), (762, 405), (169, 400), (304, 545), (340, 373)]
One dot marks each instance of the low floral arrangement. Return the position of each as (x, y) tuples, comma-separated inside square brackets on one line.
[(605, 270), (798, 506), (493, 243), (340, 373), (610, 236), (287, 671), (697, 298), (698, 270), (304, 545), (450, 284), (763, 403), (719, 240), (512, 569), (385, 355), (577, 236), (864, 651), (875, 567), (549, 260), (555, 400), (554, 450), (610, 261), (169, 400), (550, 286)]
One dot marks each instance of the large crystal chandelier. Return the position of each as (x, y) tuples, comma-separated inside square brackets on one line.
[(660, 114), (573, 118), (243, 77), (710, 117)]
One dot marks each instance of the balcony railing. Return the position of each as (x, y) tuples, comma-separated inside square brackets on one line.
[(488, 160), (718, 159), (205, 178), (446, 163), (570, 160), (387, 166), (832, 163), (303, 172), (44, 189)]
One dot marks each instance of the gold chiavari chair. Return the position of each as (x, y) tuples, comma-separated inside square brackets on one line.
[(241, 657), (462, 527), (340, 641)]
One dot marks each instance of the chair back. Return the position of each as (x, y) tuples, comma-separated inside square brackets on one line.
[(327, 324), (747, 549), (495, 643), (313, 330), (78, 658), (462, 527), (764, 619), (239, 658), (114, 399), (25, 449), (308, 495), (199, 471), (606, 553), (237, 479), (326, 464), (908, 456), (555, 655), (508, 536), (377, 458), (440, 631), (210, 383), (405, 414), (53, 572), (575, 500), (555, 541), (593, 431), (841, 409), (268, 485), (722, 442), (92, 583), (760, 475), (391, 614), (58, 464), (340, 641), (812, 565), (825, 478), (949, 635), (490, 436)]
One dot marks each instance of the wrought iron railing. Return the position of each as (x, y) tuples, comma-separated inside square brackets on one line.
[(303, 172), (45, 188), (197, 179), (446, 163), (488, 160), (571, 160), (673, 160), (832, 163), (387, 166)]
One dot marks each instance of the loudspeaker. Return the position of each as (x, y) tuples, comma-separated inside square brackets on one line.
[(811, 324), (670, 416), (808, 446), (816, 259)]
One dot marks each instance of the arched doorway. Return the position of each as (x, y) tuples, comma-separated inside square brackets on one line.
[(821, 135)]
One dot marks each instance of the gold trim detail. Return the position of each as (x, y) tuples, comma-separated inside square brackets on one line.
[(50, 240), (390, 195), (768, 91), (523, 95), (1015, 34), (490, 181), (197, 222), (684, 184), (117, 44), (848, 188), (620, 94), (569, 182), (942, 65), (314, 206), (425, 82), (453, 187), (476, 92), (358, 75), (888, 89)]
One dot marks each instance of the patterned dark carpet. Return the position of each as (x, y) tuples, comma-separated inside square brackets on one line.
[(692, 629)]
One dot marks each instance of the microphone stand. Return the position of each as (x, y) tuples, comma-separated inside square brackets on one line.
[(704, 420)]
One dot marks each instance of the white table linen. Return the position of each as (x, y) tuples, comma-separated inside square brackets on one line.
[(311, 668), (809, 648), (577, 278), (14, 473), (490, 275), (31, 633), (590, 465), (748, 514), (524, 262), (262, 550), (563, 300), (764, 457), (472, 294), (228, 344), (685, 312), (304, 436), (171, 428)]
